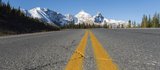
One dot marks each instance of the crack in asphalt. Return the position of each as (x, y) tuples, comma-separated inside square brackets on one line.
[(62, 61), (88, 58), (54, 63), (45, 65)]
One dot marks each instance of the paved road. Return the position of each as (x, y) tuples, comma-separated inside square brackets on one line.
[(96, 49), (42, 51), (132, 49)]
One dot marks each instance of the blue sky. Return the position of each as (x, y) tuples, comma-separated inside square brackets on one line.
[(115, 9)]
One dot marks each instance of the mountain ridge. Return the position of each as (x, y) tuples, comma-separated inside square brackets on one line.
[(59, 19)]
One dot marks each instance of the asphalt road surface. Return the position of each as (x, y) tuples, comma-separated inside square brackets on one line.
[(82, 49)]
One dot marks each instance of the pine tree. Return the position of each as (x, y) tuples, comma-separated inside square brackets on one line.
[(144, 22), (149, 22), (122, 26), (129, 24), (155, 21), (8, 7), (134, 24), (159, 20)]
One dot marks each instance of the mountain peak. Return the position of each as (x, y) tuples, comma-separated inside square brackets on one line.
[(98, 18), (83, 16), (82, 13), (39, 8), (99, 14), (36, 8)]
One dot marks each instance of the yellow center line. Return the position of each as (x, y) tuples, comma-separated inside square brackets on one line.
[(103, 60), (76, 60)]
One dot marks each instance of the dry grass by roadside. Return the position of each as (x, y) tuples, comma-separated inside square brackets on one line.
[(6, 33)]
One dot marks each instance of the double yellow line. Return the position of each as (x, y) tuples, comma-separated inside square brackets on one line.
[(76, 60), (103, 60)]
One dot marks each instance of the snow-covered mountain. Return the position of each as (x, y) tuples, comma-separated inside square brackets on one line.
[(58, 19), (98, 18), (83, 17), (46, 15), (115, 23), (70, 18)]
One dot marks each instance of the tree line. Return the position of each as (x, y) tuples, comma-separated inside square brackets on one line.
[(147, 22), (12, 20), (151, 22), (80, 26)]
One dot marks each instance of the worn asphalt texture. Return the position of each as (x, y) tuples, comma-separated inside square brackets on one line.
[(40, 51), (130, 49)]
